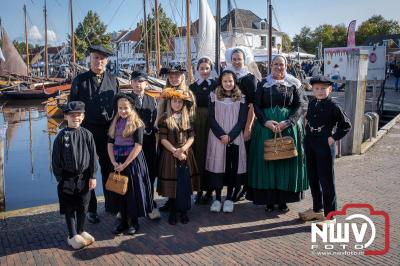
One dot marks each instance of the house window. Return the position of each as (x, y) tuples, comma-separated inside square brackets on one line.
[(263, 40), (263, 25), (273, 41)]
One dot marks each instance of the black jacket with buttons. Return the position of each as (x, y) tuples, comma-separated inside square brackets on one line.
[(326, 114), (98, 97)]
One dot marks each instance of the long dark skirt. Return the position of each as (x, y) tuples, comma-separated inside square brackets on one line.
[(201, 128), (138, 199), (280, 181), (273, 196)]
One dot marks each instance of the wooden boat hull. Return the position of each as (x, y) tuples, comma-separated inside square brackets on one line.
[(44, 93), (27, 94)]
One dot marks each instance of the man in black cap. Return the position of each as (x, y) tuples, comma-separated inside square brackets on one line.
[(96, 88), (323, 115), (146, 107)]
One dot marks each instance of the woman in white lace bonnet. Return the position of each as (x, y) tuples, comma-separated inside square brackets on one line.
[(278, 106)]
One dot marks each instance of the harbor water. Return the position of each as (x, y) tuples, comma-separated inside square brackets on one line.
[(29, 180)]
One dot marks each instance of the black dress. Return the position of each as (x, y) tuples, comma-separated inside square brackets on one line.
[(137, 202), (73, 163), (248, 85), (201, 125)]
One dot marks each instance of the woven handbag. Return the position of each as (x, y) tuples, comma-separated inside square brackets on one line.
[(117, 183), (279, 148)]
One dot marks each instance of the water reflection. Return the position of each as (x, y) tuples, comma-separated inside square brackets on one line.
[(29, 137)]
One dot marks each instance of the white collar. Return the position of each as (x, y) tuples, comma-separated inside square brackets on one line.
[(201, 80), (239, 72), (288, 81)]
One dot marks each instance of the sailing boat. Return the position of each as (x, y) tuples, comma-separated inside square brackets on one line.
[(16, 83)]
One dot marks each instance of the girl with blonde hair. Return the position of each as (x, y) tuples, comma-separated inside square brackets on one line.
[(178, 174), (125, 152)]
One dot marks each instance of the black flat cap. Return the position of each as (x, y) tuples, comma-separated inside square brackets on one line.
[(124, 96), (73, 107), (138, 75), (320, 79), (100, 49)]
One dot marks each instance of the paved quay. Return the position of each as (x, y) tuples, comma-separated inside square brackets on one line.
[(249, 236)]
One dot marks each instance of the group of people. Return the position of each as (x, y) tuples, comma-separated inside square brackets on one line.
[(197, 138)]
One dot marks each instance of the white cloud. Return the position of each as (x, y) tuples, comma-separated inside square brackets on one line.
[(34, 34), (51, 36), (37, 36)]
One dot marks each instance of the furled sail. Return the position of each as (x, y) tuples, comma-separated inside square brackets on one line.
[(207, 31), (13, 64)]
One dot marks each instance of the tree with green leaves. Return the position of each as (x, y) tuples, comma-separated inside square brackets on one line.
[(329, 35), (21, 47), (91, 31), (305, 39), (286, 43), (376, 25), (168, 30)]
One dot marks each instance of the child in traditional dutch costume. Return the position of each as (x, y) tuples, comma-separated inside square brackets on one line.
[(323, 115), (126, 155), (226, 152), (201, 89), (146, 108), (175, 81), (241, 61), (74, 166), (178, 174)]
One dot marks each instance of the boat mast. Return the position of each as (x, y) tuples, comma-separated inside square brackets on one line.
[(46, 59), (73, 58), (158, 50), (146, 38), (269, 35), (188, 44), (217, 37), (26, 42)]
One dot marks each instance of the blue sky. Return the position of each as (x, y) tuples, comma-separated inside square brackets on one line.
[(125, 14)]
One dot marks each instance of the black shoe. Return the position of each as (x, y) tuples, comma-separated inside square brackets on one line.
[(122, 227), (207, 199), (198, 198), (269, 208), (133, 229), (184, 218), (93, 218), (172, 218), (283, 208), (165, 207)]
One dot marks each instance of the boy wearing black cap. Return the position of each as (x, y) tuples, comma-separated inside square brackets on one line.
[(146, 107), (323, 115), (74, 166)]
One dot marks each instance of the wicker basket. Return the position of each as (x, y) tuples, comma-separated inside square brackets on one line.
[(279, 148)]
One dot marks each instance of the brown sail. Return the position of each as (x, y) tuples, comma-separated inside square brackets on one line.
[(13, 64)]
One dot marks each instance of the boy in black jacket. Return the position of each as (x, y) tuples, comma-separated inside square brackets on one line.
[(74, 166), (323, 115)]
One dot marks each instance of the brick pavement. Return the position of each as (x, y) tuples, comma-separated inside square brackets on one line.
[(247, 237)]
